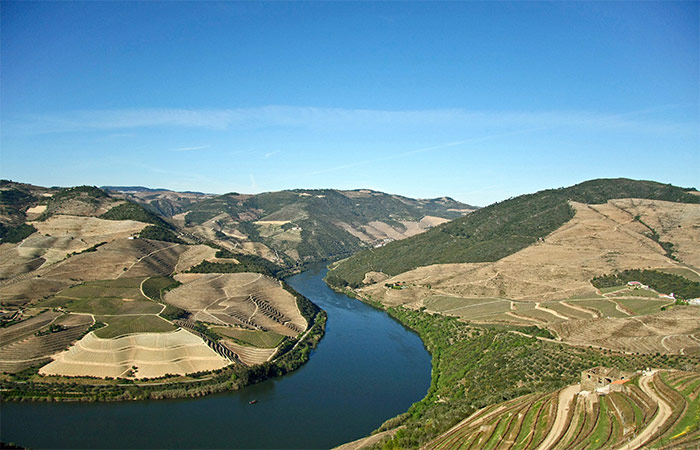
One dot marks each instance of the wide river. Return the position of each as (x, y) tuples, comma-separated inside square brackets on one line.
[(366, 369)]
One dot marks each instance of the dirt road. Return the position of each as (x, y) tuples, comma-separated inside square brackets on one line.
[(566, 398), (662, 416)]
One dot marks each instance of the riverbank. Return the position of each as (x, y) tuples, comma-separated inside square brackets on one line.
[(28, 385), (367, 368), (475, 366)]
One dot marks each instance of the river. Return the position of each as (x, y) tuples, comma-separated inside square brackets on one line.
[(366, 369)]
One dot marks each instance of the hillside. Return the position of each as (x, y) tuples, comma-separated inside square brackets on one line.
[(499, 230), (653, 410), (160, 201), (307, 225)]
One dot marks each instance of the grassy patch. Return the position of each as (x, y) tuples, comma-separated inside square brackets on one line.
[(606, 307), (257, 338), (154, 287), (642, 306), (105, 305), (645, 293), (120, 325), (109, 297), (610, 289), (469, 308)]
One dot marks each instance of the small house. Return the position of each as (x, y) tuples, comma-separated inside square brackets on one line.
[(600, 376)]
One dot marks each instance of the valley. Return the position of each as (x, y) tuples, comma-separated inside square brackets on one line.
[(107, 298)]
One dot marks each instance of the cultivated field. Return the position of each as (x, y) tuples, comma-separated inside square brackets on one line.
[(139, 355), (30, 343), (655, 411), (675, 331), (59, 236), (246, 300)]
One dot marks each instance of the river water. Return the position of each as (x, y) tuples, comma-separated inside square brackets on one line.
[(366, 369)]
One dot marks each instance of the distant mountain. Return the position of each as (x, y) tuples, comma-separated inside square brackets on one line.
[(307, 225), (498, 230), (286, 227), (161, 201)]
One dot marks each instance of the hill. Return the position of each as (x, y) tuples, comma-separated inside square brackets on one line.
[(499, 230), (160, 201), (308, 225)]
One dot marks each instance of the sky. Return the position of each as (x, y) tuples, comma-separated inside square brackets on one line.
[(479, 101)]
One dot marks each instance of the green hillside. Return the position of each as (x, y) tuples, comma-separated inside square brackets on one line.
[(498, 230), (132, 211)]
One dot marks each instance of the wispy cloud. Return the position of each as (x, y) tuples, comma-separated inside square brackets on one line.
[(191, 149), (269, 155), (337, 119)]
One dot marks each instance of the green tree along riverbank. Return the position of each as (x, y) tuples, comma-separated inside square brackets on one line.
[(474, 366), (29, 386)]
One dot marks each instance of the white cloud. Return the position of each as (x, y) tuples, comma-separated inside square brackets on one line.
[(337, 119), (190, 149)]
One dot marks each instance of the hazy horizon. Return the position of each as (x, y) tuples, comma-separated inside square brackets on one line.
[(474, 101)]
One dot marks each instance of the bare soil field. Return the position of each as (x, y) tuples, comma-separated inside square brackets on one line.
[(676, 331), (674, 222), (194, 255), (377, 231), (120, 258), (598, 240), (57, 237), (247, 300), (153, 355)]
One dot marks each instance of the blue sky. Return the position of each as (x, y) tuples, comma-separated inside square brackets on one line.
[(475, 100)]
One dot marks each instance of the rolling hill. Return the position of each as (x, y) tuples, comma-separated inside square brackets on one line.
[(309, 225), (501, 229)]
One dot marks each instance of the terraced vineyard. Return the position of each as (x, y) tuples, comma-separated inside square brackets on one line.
[(36, 349), (657, 410), (245, 300)]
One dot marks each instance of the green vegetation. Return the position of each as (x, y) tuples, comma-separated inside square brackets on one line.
[(132, 211), (14, 201), (680, 271), (173, 313), (53, 328), (246, 263), (206, 331), (661, 282), (498, 230), (16, 197), (16, 234), (110, 297), (256, 338), (158, 233), (155, 287), (474, 367), (121, 325)]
